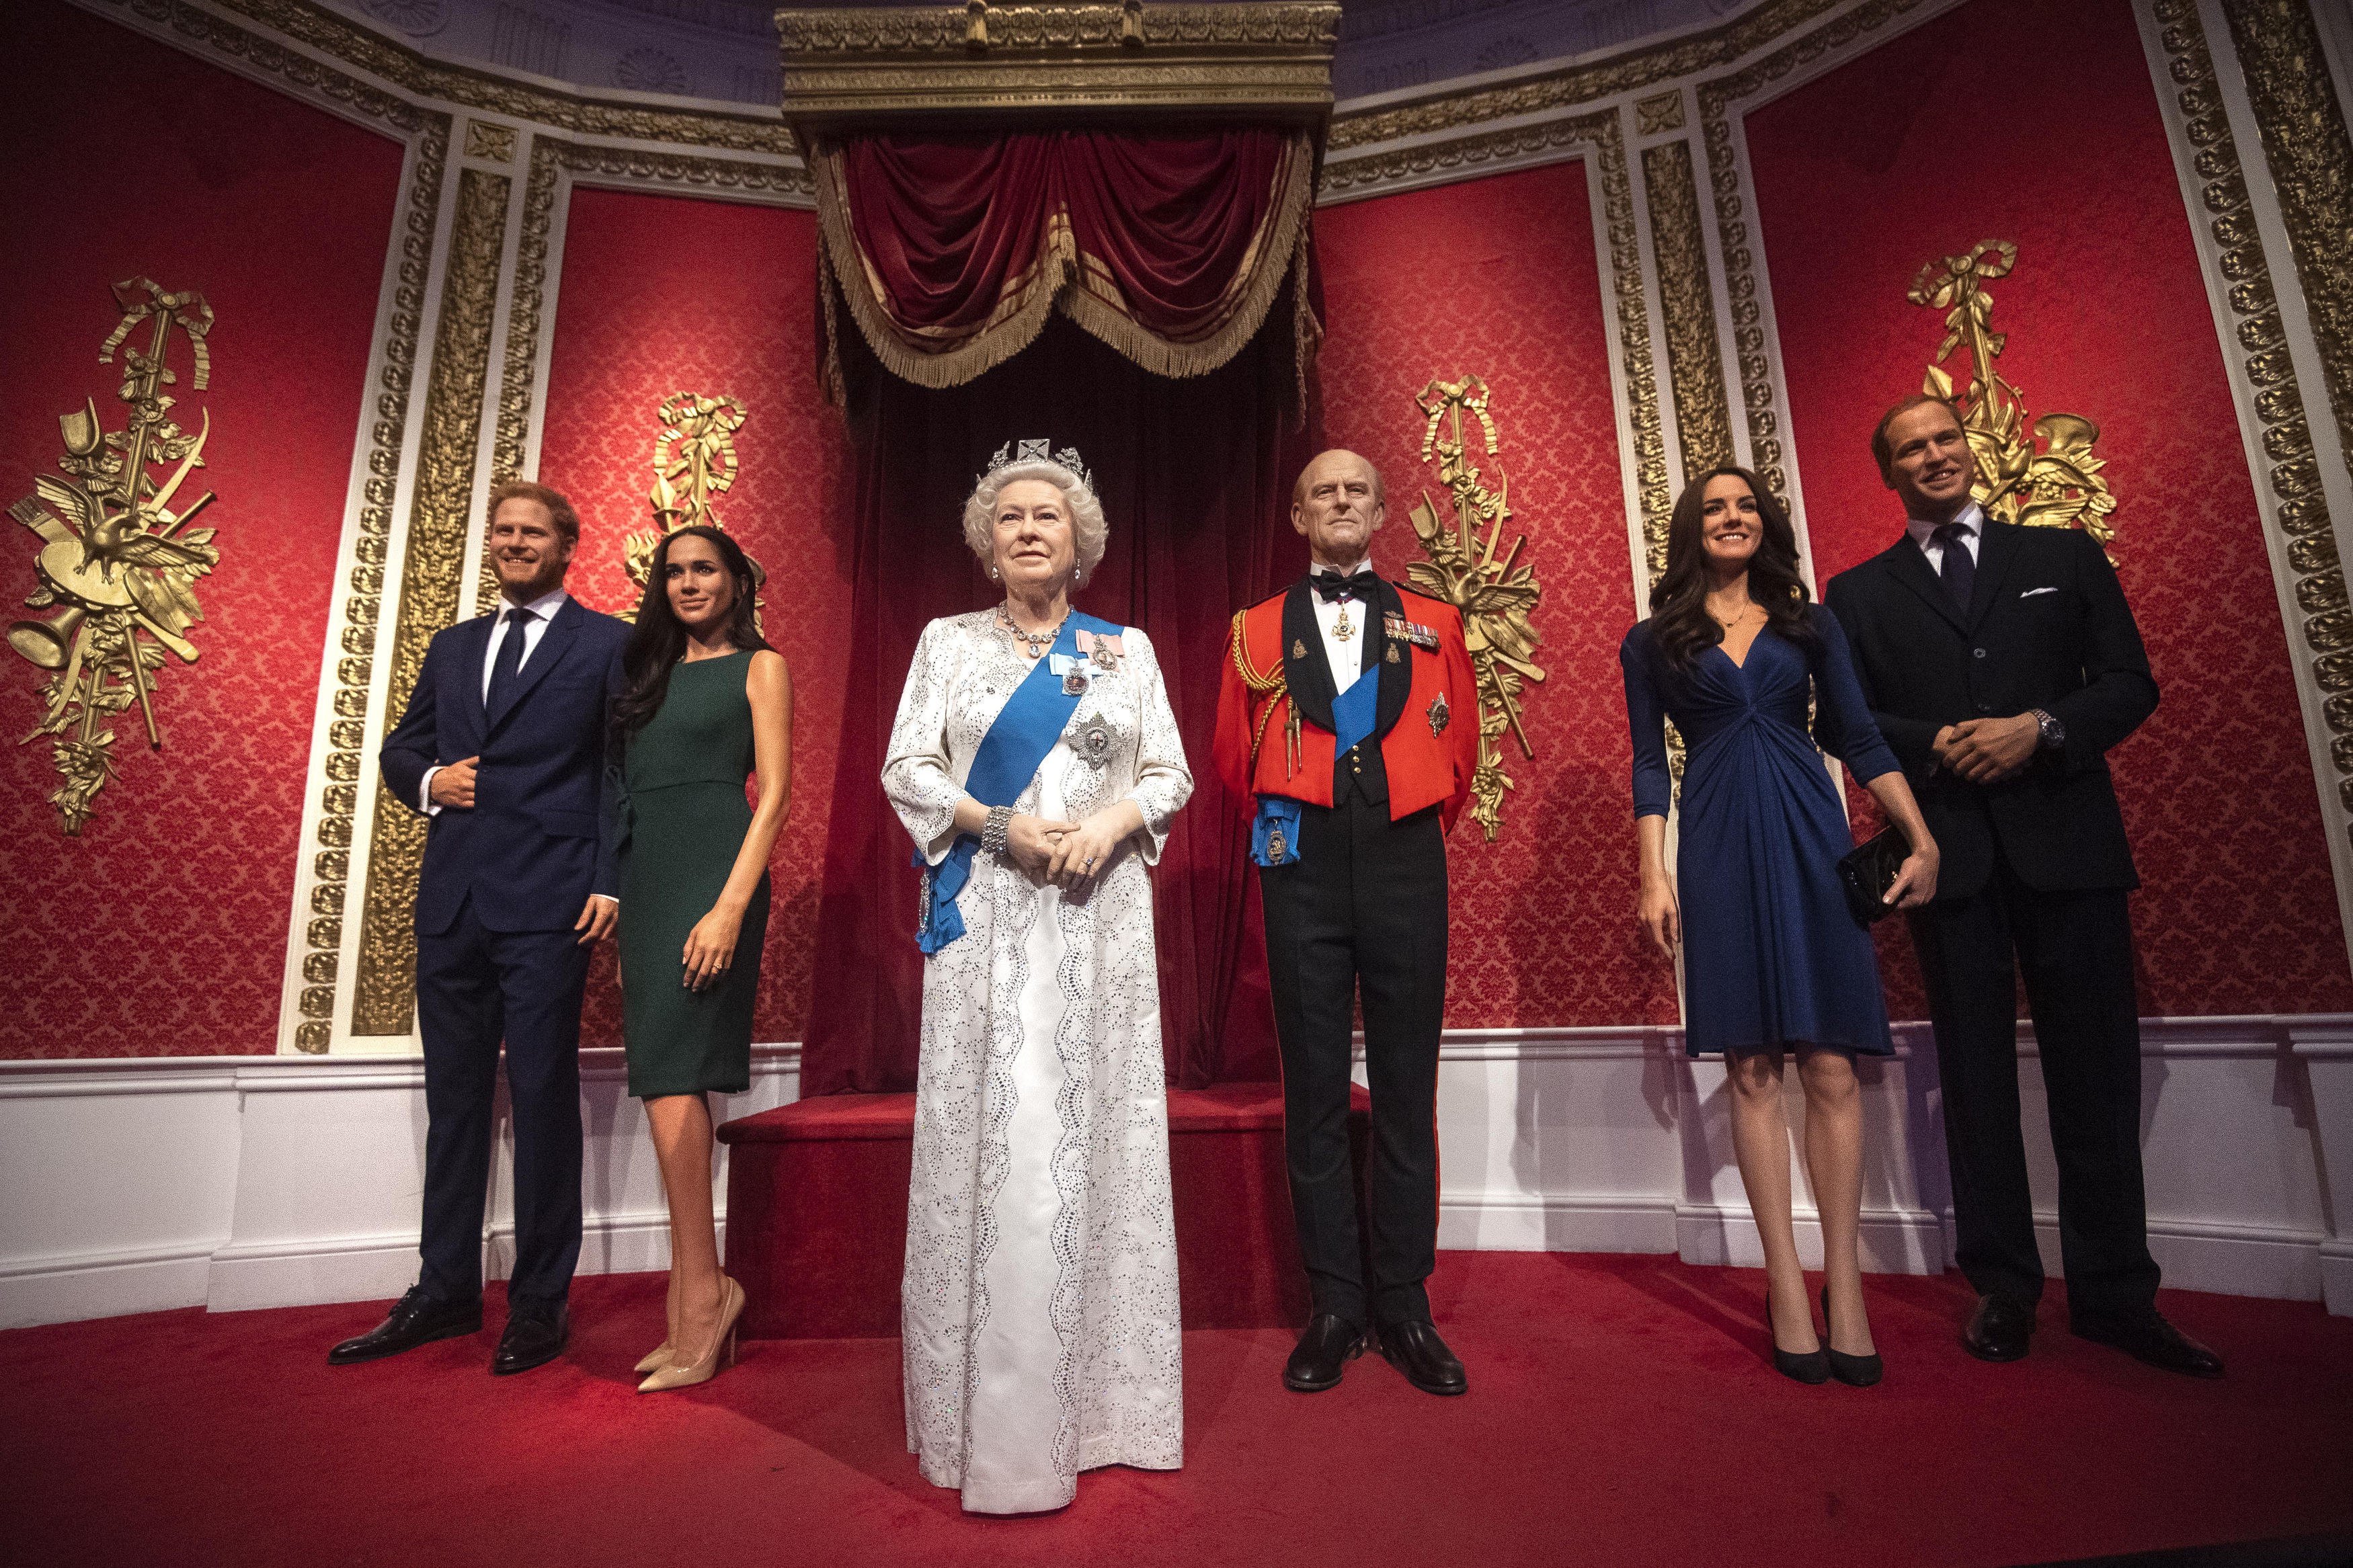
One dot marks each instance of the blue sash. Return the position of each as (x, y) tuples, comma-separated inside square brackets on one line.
[(1026, 728), (1274, 834)]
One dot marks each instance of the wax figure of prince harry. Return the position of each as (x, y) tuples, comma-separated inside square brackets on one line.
[(1349, 718), (503, 746)]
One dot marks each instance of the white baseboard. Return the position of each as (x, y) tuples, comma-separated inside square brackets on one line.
[(237, 1182)]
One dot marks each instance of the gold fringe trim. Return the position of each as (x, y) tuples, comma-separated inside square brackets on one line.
[(1058, 283)]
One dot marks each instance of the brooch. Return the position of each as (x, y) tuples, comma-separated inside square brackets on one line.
[(1298, 648), (1440, 714), (1095, 743), (1393, 653)]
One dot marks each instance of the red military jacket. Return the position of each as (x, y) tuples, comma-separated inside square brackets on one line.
[(1274, 704)]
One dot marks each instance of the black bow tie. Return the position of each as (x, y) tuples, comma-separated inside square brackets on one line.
[(1365, 586)]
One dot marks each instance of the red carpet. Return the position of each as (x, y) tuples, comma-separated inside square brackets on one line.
[(1620, 1412)]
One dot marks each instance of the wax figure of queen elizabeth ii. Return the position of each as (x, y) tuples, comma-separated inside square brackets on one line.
[(1036, 763)]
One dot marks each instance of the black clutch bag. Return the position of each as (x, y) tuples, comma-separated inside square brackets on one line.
[(1869, 869)]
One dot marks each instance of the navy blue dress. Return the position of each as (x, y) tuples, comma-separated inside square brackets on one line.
[(1772, 957)]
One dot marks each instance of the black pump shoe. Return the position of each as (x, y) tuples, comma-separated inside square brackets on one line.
[(1854, 1371), (1808, 1366)]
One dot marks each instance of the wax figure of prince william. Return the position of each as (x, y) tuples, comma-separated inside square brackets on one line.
[(504, 748), (1349, 718)]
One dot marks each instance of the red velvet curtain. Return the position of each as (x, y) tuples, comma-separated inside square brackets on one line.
[(1195, 478), (952, 251)]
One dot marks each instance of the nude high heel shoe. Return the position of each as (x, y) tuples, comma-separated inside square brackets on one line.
[(660, 1353), (721, 1353)]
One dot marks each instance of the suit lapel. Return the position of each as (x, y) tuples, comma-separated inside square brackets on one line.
[(1997, 548), (1397, 679), (478, 648), (553, 643), (1305, 670), (1911, 569)]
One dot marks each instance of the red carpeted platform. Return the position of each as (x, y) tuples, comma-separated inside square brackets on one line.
[(1621, 1413), (817, 1210)]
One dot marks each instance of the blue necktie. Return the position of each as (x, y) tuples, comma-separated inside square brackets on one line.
[(1959, 570), (506, 670)]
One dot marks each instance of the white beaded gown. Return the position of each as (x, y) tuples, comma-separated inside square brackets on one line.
[(1038, 1308)]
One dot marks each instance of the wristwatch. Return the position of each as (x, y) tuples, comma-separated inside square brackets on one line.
[(2050, 734)]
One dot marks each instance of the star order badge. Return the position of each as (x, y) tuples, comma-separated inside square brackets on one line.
[(1440, 714), (1298, 648)]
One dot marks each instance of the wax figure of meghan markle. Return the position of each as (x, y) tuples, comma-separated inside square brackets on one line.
[(706, 706), (1775, 964), (503, 745), (1349, 712), (1036, 763)]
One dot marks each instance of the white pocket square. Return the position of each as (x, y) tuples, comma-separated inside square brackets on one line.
[(2031, 592)]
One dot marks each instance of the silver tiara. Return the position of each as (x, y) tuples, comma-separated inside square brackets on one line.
[(1039, 451)]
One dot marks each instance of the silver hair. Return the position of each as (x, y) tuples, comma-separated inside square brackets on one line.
[(1090, 533)]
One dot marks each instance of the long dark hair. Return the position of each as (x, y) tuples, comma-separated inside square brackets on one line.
[(1679, 617), (659, 640)]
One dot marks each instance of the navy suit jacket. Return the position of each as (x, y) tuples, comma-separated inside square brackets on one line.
[(2047, 627), (542, 834)]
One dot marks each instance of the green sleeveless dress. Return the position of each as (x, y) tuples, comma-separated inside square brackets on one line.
[(685, 776)]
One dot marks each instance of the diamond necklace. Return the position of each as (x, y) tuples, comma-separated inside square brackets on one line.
[(1038, 641)]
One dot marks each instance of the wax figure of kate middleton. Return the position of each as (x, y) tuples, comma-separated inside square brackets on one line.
[(706, 706), (1774, 963), (1035, 763), (503, 745), (1349, 714), (2002, 664)]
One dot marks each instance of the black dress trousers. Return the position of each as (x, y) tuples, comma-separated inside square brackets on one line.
[(2075, 951), (476, 987), (1364, 905)]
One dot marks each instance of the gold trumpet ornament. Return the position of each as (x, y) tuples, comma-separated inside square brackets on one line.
[(114, 555)]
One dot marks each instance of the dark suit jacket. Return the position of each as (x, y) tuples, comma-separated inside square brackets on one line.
[(542, 834), (2047, 627)]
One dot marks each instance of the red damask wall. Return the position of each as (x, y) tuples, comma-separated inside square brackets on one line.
[(661, 295), (1499, 278), (163, 929), (2018, 120)]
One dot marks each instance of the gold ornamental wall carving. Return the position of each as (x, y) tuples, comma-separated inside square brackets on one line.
[(2056, 484), (118, 564), (1496, 596), (1687, 301), (2289, 480), (383, 995), (694, 465)]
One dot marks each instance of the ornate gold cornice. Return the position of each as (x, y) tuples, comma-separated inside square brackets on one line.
[(844, 68), (2290, 487), (317, 28), (353, 673), (2311, 161), (1584, 83), (440, 522), (1694, 357), (1716, 100)]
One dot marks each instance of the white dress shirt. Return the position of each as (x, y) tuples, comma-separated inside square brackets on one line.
[(1346, 658), (1972, 524), (542, 610)]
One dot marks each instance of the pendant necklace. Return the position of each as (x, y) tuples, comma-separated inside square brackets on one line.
[(1038, 641)]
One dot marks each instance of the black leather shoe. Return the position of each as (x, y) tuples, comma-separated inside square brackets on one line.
[(2154, 1341), (535, 1335), (417, 1319), (2000, 1327), (1322, 1353), (1415, 1350)]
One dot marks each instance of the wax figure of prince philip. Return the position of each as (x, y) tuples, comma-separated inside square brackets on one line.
[(504, 748), (2002, 664), (1349, 717)]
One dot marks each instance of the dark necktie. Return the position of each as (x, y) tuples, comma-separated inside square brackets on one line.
[(1959, 570), (506, 670), (1364, 585)]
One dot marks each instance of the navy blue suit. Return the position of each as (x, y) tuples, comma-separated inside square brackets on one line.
[(497, 957)]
